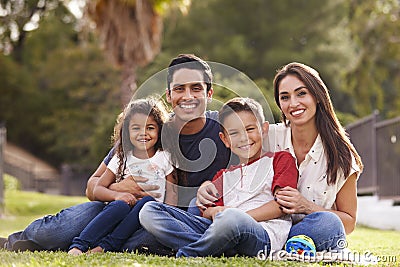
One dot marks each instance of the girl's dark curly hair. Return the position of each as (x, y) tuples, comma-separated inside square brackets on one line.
[(151, 106)]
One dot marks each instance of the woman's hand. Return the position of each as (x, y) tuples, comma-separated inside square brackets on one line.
[(127, 197), (292, 201), (206, 195)]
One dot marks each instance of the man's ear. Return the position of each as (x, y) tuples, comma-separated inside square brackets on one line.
[(168, 95), (210, 93), (265, 128), (224, 139)]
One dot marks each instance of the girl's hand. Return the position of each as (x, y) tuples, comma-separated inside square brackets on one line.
[(211, 212), (292, 201), (127, 197), (207, 194)]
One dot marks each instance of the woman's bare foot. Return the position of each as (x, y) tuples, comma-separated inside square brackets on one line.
[(75, 252), (97, 249)]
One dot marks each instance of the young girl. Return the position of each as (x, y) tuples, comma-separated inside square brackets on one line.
[(138, 153)]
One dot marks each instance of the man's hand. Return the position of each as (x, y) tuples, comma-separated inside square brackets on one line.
[(206, 195), (130, 185)]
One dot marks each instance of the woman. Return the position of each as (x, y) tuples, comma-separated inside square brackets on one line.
[(324, 205)]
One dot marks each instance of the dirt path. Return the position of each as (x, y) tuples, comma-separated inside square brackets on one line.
[(21, 158)]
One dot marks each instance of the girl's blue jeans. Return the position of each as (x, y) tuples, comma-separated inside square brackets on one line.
[(111, 227)]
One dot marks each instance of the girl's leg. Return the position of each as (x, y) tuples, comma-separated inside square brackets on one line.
[(129, 225), (325, 228), (101, 225), (172, 226), (232, 230)]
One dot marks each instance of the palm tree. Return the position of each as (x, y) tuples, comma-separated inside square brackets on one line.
[(131, 31)]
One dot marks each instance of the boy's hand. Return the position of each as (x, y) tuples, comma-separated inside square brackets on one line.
[(206, 195), (211, 212)]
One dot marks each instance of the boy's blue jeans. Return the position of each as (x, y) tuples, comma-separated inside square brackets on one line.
[(232, 231)]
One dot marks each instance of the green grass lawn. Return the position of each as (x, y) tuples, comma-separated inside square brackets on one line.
[(24, 207)]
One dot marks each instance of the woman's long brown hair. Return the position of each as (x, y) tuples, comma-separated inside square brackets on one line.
[(337, 145)]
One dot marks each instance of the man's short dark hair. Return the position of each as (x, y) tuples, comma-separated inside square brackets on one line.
[(189, 61)]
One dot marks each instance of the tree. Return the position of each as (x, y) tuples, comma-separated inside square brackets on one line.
[(258, 36), (131, 31), (17, 18), (374, 77)]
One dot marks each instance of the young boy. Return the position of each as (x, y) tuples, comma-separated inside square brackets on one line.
[(246, 219)]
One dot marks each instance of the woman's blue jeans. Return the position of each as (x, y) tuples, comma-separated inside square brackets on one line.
[(325, 228), (232, 231)]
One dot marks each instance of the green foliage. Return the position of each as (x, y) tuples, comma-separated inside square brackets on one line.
[(10, 183), (257, 37), (61, 103), (374, 79), (60, 96)]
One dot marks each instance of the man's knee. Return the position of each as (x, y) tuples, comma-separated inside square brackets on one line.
[(148, 209)]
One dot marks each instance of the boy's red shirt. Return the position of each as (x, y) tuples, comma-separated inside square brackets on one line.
[(285, 173)]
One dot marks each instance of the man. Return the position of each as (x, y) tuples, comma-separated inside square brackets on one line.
[(197, 152)]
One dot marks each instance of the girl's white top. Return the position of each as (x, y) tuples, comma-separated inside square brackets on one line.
[(155, 169)]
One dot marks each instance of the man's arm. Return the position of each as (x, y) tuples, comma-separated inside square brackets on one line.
[(91, 183), (126, 185)]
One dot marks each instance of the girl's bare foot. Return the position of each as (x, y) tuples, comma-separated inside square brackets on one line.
[(75, 252), (97, 249)]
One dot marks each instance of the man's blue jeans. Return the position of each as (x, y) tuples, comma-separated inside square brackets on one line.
[(232, 231), (55, 232)]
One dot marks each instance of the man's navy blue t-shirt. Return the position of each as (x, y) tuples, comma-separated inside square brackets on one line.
[(205, 155)]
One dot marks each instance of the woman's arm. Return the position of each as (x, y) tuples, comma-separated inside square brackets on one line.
[(293, 202), (346, 203), (171, 189)]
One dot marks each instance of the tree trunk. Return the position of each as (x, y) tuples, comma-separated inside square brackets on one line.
[(128, 85)]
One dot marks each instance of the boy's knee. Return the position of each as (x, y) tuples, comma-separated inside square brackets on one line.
[(232, 219)]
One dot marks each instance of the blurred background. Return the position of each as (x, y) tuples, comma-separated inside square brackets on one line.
[(67, 67)]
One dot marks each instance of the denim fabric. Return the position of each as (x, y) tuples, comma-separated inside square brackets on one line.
[(193, 209), (128, 226), (55, 232), (325, 228), (103, 224), (232, 231)]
